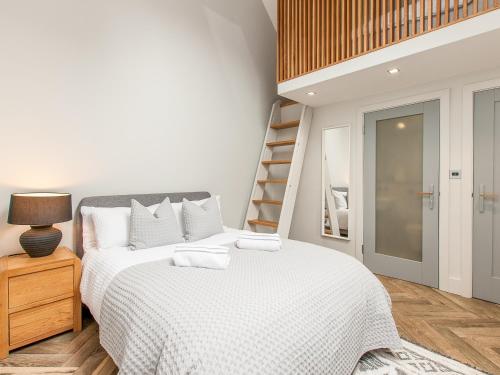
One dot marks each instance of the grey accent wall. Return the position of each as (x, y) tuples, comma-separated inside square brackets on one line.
[(133, 96)]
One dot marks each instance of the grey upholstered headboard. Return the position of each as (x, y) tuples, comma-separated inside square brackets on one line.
[(124, 201)]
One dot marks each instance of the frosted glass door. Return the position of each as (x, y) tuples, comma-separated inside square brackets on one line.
[(401, 179)]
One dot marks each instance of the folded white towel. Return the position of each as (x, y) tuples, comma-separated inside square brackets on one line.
[(260, 236), (259, 241), (201, 256)]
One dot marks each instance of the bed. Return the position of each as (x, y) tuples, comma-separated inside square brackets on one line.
[(305, 309)]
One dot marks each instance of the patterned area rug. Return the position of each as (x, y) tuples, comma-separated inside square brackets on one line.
[(411, 360)]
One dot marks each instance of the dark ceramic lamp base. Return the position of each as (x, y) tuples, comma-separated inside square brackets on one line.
[(40, 241)]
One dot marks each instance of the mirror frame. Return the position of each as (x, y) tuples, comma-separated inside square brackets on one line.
[(323, 166)]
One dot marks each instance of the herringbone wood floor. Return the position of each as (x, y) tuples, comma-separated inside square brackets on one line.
[(465, 329)]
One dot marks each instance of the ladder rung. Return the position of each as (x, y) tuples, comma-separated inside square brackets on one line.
[(286, 103), (269, 162), (281, 181), (267, 201), (286, 125), (264, 223), (288, 142)]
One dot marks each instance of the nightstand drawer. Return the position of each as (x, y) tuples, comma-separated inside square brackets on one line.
[(40, 322), (40, 286)]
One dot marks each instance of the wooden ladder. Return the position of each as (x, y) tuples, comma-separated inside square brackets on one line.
[(278, 172)]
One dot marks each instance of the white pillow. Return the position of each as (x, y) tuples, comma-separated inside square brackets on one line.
[(104, 227), (112, 226), (88, 230), (178, 211), (340, 199)]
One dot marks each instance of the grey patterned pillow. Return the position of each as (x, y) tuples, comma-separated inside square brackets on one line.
[(201, 221), (150, 230)]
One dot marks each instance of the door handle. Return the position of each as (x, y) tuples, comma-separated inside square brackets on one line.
[(484, 195), (429, 194)]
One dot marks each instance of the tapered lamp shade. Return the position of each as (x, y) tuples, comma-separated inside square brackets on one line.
[(40, 211)]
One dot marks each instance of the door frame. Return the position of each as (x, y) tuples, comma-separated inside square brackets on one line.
[(444, 166), (468, 92)]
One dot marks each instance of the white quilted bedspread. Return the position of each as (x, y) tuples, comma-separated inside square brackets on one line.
[(303, 310)]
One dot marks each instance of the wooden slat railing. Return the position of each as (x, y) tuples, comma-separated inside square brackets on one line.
[(314, 34)]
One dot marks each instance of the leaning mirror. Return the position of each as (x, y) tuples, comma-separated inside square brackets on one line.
[(335, 187)]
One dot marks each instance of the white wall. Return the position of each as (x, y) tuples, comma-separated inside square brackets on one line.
[(132, 96), (307, 215)]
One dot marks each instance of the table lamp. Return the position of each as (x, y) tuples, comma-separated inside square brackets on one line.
[(40, 211)]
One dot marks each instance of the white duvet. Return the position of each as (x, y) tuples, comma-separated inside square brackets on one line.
[(304, 309)]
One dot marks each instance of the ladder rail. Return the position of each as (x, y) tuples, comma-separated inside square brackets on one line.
[(285, 220)]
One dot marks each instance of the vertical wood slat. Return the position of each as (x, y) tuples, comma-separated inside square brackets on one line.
[(281, 32), (342, 41), (288, 39), (342, 29), (327, 33), (406, 24), (319, 50), (297, 38), (313, 34), (322, 32), (304, 37), (376, 26), (429, 15), (366, 39), (301, 36), (422, 16), (397, 35), (414, 17), (348, 28), (278, 43), (354, 27), (359, 29), (310, 8), (438, 13), (292, 38), (384, 22), (391, 21), (332, 31), (287, 36), (338, 37), (318, 34)]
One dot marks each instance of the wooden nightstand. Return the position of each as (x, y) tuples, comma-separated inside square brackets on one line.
[(39, 297)]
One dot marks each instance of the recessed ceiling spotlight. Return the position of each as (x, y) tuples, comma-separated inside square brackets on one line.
[(401, 125), (393, 71), (311, 93)]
